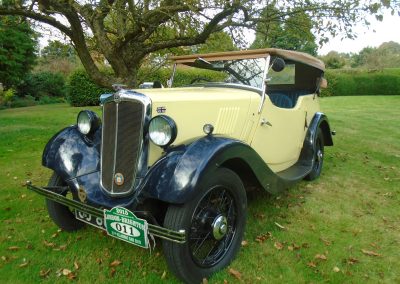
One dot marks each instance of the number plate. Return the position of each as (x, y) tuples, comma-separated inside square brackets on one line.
[(90, 219), (124, 225)]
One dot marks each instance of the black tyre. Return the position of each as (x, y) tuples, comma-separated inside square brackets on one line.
[(214, 221), (318, 157), (61, 215)]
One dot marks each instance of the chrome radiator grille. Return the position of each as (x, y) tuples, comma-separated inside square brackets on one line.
[(121, 145)]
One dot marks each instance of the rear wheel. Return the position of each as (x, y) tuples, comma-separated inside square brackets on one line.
[(61, 215), (214, 222), (318, 157)]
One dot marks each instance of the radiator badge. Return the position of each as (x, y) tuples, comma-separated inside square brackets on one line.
[(119, 179), (161, 109)]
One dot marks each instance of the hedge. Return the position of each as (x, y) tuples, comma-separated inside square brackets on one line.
[(353, 82), (359, 82), (42, 84), (82, 91)]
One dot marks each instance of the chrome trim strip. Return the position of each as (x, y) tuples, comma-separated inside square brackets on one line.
[(115, 146), (142, 159)]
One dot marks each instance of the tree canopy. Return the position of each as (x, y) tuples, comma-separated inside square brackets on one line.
[(293, 32), (125, 32), (17, 49)]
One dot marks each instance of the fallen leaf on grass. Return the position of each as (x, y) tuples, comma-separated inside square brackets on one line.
[(280, 226), (13, 248), (290, 248), (370, 252), (4, 258), (352, 260), (99, 260), (205, 281), (62, 247), (49, 244), (66, 271), (235, 273), (278, 245), (336, 269), (55, 235), (44, 273), (312, 264), (320, 256), (244, 243), (263, 237), (112, 272), (71, 276), (115, 263), (76, 265), (164, 275), (24, 264), (325, 241)]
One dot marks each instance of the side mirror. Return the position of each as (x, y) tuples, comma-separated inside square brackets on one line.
[(278, 64)]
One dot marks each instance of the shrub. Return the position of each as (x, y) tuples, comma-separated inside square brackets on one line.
[(82, 91), (6, 97), (359, 82), (23, 102), (43, 84)]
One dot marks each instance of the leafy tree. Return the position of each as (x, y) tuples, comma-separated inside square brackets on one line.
[(17, 49), (57, 49), (334, 60), (292, 32), (385, 56), (125, 32), (219, 41)]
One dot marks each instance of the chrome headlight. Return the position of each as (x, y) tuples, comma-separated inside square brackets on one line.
[(88, 122), (162, 130)]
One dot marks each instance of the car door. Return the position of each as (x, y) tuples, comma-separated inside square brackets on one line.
[(278, 138)]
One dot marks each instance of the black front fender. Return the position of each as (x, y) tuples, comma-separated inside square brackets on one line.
[(71, 154)]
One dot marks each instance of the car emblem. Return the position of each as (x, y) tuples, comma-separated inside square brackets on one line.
[(82, 194), (161, 109), (117, 98), (119, 179)]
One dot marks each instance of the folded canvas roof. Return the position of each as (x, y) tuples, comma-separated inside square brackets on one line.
[(255, 53)]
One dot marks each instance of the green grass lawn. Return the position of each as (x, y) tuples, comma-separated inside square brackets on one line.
[(344, 227)]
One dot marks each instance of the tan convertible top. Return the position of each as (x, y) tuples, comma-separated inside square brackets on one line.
[(255, 53)]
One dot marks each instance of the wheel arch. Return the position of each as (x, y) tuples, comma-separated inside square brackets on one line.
[(326, 131)]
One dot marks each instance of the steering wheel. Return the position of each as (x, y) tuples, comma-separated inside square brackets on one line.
[(199, 79)]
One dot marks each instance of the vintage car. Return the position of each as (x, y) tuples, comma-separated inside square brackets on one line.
[(175, 163)]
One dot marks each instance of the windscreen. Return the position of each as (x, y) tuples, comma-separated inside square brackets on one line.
[(247, 72)]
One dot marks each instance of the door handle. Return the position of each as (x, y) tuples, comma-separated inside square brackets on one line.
[(265, 122)]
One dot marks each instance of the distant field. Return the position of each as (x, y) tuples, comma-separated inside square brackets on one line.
[(345, 227)]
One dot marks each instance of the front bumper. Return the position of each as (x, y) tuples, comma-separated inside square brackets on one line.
[(157, 231)]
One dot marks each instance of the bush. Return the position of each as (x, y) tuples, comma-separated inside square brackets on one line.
[(361, 82), (82, 91), (6, 97), (43, 84), (23, 102)]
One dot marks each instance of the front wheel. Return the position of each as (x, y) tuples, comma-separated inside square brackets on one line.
[(214, 221), (61, 215)]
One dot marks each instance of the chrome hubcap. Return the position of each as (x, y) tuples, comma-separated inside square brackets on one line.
[(319, 156), (219, 227)]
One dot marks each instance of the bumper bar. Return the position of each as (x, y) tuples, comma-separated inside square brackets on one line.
[(163, 233)]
